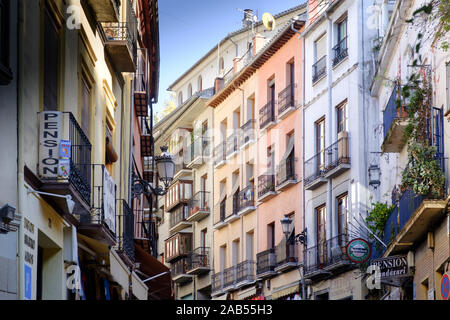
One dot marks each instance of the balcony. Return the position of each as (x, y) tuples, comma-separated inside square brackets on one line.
[(245, 273), (181, 169), (179, 192), (232, 145), (125, 233), (286, 176), (179, 271), (315, 172), (105, 10), (410, 220), (340, 51), (220, 155), (287, 256), (266, 187), (100, 224), (246, 200), (286, 101), (199, 152), (337, 157), (76, 181), (199, 206), (266, 262), (229, 278), (327, 258), (178, 246), (119, 39), (217, 283), (146, 138), (319, 69), (141, 84), (394, 122), (247, 134), (267, 116), (199, 261), (220, 214), (178, 219), (148, 169)]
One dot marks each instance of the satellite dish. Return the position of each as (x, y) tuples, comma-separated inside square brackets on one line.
[(268, 21)]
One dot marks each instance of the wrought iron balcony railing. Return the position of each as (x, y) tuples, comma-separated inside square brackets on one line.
[(229, 276), (286, 98), (265, 261), (266, 183), (200, 147), (245, 271), (117, 33), (286, 170), (286, 253), (199, 202), (232, 144), (319, 69), (337, 154), (392, 112), (125, 229), (314, 167), (267, 114), (247, 197), (199, 258), (340, 51), (217, 282), (220, 152), (248, 132)]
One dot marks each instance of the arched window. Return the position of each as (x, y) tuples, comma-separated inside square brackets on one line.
[(180, 98), (199, 83), (189, 91)]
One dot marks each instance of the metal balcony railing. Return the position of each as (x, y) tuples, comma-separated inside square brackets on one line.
[(200, 147), (178, 215), (337, 154), (199, 258), (217, 282), (286, 98), (245, 271), (319, 69), (286, 170), (101, 193), (265, 261), (392, 112), (247, 197), (286, 253), (220, 152), (125, 229), (80, 160), (340, 51), (314, 167), (326, 253), (121, 31), (266, 183), (229, 276), (247, 132), (199, 202), (232, 144), (267, 114), (180, 162)]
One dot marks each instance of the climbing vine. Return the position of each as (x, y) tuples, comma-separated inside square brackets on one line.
[(377, 218)]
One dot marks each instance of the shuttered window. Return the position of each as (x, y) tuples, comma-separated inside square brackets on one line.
[(51, 61), (85, 106)]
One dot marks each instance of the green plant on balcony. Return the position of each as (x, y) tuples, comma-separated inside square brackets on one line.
[(377, 218)]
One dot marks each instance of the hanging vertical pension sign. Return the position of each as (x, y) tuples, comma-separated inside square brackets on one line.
[(50, 133)]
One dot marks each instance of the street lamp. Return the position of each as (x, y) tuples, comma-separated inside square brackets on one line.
[(374, 176), (165, 167), (298, 238)]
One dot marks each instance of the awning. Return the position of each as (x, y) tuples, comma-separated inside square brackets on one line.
[(247, 293), (235, 187), (140, 290), (285, 290), (119, 270), (159, 288), (221, 297), (222, 195), (289, 148)]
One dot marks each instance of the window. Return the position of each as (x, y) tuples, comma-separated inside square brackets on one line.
[(203, 242), (85, 106), (5, 71), (321, 233), (320, 65), (320, 143), (200, 83), (342, 218), (51, 61), (180, 98), (340, 49), (271, 235), (291, 82), (341, 111), (189, 90)]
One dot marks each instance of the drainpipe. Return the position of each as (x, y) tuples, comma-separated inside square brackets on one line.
[(236, 46), (332, 125), (301, 36)]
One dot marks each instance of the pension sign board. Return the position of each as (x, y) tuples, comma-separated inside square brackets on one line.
[(392, 266)]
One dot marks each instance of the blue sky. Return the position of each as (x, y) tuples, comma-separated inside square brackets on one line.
[(190, 28)]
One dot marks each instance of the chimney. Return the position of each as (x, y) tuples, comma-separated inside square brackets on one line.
[(257, 43), (218, 84), (248, 18)]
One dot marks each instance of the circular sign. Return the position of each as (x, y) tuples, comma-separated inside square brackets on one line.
[(358, 250), (445, 287)]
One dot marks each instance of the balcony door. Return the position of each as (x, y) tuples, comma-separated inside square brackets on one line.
[(342, 217), (321, 213), (320, 144)]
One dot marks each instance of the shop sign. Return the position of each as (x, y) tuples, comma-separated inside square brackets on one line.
[(391, 266), (50, 133), (109, 200), (358, 250)]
